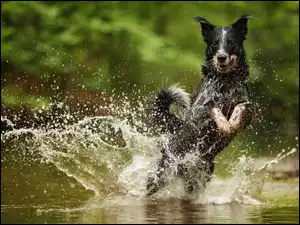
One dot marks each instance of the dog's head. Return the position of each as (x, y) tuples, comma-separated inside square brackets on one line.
[(225, 52)]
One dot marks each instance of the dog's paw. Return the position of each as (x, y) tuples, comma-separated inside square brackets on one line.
[(240, 117)]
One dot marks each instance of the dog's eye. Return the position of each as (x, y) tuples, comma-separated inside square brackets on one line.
[(215, 43), (230, 42)]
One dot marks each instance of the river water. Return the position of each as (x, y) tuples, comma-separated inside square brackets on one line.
[(76, 175)]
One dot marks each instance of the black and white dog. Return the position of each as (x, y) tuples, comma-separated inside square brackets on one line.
[(219, 109)]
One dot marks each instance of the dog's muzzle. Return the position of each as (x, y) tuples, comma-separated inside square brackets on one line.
[(225, 62)]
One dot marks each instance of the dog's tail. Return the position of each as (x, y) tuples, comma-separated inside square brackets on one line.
[(161, 113)]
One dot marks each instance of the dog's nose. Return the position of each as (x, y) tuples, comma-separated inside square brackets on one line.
[(221, 58)]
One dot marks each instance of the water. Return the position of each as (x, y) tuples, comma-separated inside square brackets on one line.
[(81, 173)]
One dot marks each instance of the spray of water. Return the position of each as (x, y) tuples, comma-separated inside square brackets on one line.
[(111, 156)]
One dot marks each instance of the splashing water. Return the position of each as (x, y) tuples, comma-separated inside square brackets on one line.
[(114, 166)]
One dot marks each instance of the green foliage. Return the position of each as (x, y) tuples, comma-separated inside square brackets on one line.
[(118, 45), (17, 98)]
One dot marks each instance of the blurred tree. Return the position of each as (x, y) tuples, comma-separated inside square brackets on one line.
[(108, 46)]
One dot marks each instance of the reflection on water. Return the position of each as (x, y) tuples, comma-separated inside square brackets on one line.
[(149, 211)]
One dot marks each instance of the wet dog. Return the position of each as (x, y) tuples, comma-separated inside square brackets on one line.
[(219, 109)]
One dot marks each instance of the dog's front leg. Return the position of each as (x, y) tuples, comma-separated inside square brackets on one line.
[(239, 120), (240, 117), (221, 121)]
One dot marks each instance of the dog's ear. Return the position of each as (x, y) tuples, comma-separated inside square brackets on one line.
[(241, 24), (206, 26)]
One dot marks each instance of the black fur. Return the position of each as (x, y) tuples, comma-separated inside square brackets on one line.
[(223, 87)]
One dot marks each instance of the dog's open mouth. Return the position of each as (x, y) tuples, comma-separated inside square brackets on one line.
[(223, 68), (231, 65)]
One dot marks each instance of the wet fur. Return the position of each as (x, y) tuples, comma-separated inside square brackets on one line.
[(219, 110)]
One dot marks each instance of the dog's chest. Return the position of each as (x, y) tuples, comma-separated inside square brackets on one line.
[(219, 94), (206, 101)]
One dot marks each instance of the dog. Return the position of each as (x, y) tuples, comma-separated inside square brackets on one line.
[(213, 116)]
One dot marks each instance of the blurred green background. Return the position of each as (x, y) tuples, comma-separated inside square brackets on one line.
[(81, 53)]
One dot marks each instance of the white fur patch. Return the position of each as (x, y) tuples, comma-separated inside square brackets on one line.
[(223, 38)]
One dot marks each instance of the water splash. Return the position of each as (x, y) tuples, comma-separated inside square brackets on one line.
[(89, 150), (245, 184), (111, 156)]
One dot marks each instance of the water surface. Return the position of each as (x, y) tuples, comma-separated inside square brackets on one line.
[(75, 175)]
